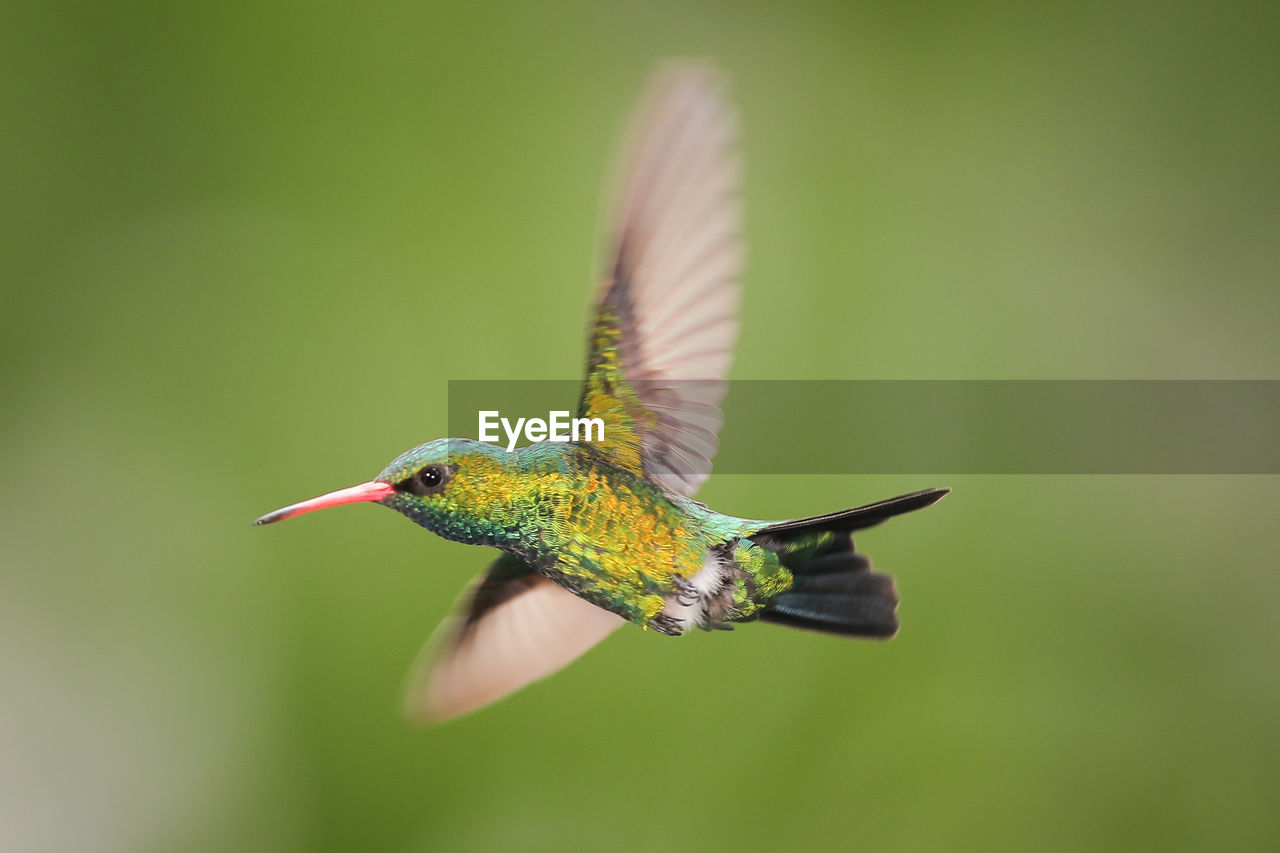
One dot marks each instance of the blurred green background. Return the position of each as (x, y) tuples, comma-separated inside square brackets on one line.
[(244, 247)]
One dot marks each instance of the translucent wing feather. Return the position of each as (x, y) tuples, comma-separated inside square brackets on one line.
[(666, 318), (513, 626)]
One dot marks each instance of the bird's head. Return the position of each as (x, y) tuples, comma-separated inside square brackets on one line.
[(457, 488)]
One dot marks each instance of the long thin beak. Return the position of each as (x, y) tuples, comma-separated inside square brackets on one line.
[(374, 491)]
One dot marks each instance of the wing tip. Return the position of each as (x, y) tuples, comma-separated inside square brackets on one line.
[(425, 712)]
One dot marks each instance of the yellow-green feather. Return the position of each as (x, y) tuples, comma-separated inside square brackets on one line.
[(607, 533)]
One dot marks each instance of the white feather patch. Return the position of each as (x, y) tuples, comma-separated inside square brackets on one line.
[(687, 608)]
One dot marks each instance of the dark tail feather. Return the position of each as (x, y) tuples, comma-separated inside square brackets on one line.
[(834, 589), (860, 518), (850, 600)]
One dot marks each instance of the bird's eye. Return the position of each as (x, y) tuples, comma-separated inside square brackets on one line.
[(429, 480), (431, 476)]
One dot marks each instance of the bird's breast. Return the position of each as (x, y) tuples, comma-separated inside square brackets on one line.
[(624, 547)]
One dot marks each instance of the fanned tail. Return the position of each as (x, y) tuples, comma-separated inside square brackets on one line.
[(835, 589)]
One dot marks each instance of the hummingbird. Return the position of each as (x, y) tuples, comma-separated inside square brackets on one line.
[(595, 534)]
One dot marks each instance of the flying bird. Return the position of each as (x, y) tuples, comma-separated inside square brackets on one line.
[(594, 534)]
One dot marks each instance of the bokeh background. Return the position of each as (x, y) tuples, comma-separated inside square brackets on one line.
[(244, 246)]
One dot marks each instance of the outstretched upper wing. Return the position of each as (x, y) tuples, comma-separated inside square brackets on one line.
[(512, 627), (666, 317)]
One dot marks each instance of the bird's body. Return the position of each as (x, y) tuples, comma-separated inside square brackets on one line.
[(593, 534), (611, 536)]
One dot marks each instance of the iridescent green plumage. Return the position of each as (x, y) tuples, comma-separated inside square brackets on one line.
[(594, 533), (614, 537), (608, 534)]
